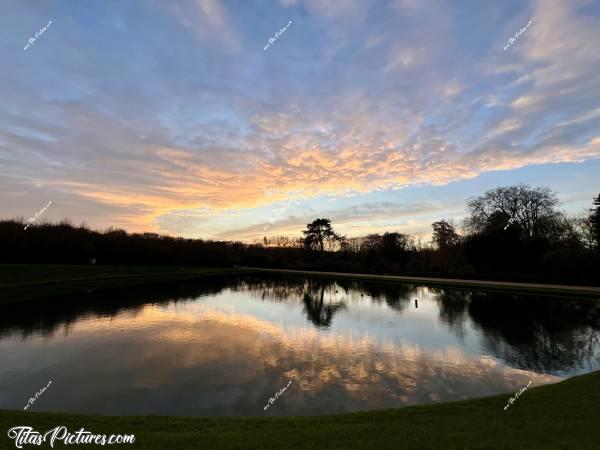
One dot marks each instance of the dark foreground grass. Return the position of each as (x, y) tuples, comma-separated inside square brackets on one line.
[(21, 282), (565, 415)]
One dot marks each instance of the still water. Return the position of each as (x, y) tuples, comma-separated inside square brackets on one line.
[(223, 346)]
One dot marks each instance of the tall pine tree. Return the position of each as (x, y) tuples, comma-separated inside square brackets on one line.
[(318, 233)]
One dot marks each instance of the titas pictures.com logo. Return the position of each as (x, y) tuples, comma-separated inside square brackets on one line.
[(25, 435)]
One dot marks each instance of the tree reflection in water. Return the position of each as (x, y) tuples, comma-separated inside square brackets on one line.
[(538, 333), (318, 312), (532, 332)]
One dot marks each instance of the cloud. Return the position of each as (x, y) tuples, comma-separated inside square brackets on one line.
[(353, 10), (208, 20), (507, 125), (403, 57), (187, 133), (162, 181), (452, 89), (559, 56), (361, 218), (406, 7)]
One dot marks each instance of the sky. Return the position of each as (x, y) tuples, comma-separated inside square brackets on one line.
[(383, 115)]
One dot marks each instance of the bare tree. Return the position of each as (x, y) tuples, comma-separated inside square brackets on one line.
[(418, 239), (531, 208), (286, 242), (444, 234), (584, 228), (370, 242), (566, 231), (352, 245)]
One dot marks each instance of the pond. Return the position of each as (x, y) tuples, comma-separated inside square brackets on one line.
[(223, 346)]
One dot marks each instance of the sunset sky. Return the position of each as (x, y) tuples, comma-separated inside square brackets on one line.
[(382, 115)]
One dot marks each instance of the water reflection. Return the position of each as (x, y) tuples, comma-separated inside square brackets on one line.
[(318, 312), (534, 332), (222, 346), (47, 315), (538, 334)]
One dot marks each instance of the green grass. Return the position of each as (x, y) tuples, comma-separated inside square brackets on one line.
[(560, 416), (20, 282)]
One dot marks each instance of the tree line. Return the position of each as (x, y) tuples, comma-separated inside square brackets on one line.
[(510, 233)]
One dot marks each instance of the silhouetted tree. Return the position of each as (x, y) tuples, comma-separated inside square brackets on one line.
[(532, 209), (584, 228), (319, 232), (595, 221), (352, 245), (444, 234), (371, 243), (395, 244)]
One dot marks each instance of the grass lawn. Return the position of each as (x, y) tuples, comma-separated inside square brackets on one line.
[(565, 415)]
